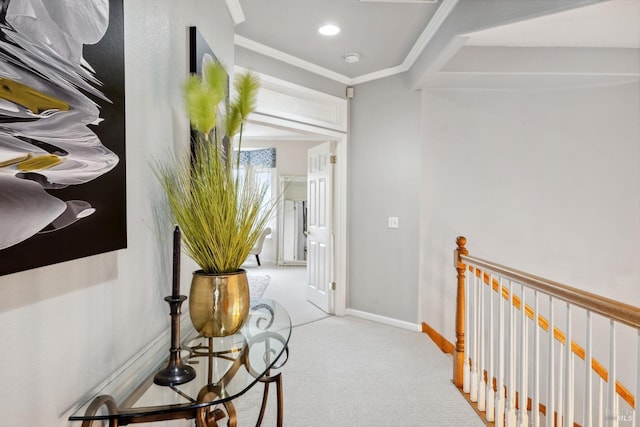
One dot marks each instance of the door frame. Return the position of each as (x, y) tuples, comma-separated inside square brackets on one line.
[(340, 195)]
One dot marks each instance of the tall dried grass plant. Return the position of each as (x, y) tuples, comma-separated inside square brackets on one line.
[(220, 213)]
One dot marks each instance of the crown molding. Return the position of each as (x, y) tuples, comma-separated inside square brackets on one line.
[(280, 98), (432, 27), (379, 74), (289, 59), (235, 10), (287, 86)]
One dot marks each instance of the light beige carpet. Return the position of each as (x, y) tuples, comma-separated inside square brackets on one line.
[(350, 372), (288, 286)]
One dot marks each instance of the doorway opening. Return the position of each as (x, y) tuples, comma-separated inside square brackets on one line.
[(292, 212), (292, 140)]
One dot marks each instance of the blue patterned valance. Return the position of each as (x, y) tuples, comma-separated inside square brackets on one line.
[(265, 157)]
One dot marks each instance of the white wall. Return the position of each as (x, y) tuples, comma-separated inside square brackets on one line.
[(544, 181), (384, 178), (291, 156), (68, 326)]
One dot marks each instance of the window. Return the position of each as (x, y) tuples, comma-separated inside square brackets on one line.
[(260, 164)]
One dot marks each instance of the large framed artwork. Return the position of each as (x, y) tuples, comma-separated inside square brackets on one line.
[(200, 53), (62, 131)]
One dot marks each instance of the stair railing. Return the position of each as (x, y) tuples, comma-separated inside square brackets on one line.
[(517, 365)]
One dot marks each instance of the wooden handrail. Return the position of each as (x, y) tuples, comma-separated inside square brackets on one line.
[(619, 311)]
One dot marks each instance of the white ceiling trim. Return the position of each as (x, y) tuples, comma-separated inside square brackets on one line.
[(594, 61), (494, 81), (378, 74), (434, 24), (433, 69), (289, 87), (280, 98), (289, 59), (463, 65), (235, 10), (432, 27), (291, 137)]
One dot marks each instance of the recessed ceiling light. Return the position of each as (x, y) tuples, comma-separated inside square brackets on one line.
[(352, 58), (329, 30)]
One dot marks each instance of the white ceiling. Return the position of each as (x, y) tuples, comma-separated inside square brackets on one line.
[(592, 45), (613, 23), (576, 46), (383, 33), (389, 35)]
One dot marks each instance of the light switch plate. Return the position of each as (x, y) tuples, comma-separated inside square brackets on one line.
[(393, 222)]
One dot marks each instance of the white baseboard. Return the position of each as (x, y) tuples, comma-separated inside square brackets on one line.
[(385, 320)]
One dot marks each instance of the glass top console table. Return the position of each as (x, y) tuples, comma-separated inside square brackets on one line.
[(225, 369)]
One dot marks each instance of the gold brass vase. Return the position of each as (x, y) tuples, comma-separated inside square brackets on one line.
[(219, 303)]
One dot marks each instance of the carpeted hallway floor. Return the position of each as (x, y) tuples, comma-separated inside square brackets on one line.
[(287, 285), (350, 372)]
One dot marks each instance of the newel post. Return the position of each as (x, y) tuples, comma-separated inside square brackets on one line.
[(458, 354)]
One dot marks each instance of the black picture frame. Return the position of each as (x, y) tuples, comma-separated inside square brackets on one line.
[(105, 229), (198, 49)]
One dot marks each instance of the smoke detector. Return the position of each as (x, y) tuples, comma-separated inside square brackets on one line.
[(352, 58)]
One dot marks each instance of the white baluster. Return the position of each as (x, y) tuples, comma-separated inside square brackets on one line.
[(473, 395), (601, 413), (568, 381), (499, 417), (511, 375), (560, 388), (588, 385), (535, 404), (612, 401), (482, 347), (551, 366), (467, 333), (490, 395), (636, 411), (523, 415)]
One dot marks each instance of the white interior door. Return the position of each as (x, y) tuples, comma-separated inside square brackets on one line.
[(320, 226)]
